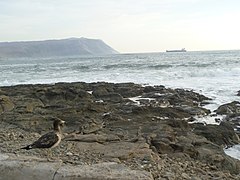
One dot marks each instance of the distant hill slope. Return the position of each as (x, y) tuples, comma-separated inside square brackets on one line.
[(55, 48)]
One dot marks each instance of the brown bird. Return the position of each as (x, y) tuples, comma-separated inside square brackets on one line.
[(49, 140)]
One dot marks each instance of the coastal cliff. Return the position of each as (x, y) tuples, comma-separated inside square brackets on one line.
[(113, 131), (55, 48)]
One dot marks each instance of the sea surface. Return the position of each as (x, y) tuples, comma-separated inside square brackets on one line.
[(215, 74)]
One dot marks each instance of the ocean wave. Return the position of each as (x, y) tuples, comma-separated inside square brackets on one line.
[(160, 66), (121, 66), (203, 71), (81, 67)]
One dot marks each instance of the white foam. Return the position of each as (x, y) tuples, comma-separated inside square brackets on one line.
[(233, 151), (208, 119), (137, 100)]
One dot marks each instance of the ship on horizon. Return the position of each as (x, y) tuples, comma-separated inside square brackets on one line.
[(179, 50)]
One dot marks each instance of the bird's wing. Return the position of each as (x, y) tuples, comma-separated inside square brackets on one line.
[(46, 141)]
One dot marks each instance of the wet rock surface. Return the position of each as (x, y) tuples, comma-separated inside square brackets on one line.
[(231, 111), (139, 129)]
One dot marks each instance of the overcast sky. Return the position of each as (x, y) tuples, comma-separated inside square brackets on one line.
[(126, 25)]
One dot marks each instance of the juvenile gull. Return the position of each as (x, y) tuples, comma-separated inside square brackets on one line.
[(49, 140)]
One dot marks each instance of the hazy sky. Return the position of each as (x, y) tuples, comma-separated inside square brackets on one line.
[(126, 25)]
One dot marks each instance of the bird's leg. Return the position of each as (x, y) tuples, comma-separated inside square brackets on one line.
[(49, 155), (57, 150), (58, 153)]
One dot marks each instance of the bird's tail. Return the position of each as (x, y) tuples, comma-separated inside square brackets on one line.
[(27, 147)]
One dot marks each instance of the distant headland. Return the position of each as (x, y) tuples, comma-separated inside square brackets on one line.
[(55, 48)]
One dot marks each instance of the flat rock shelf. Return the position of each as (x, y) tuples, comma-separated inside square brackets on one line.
[(113, 131)]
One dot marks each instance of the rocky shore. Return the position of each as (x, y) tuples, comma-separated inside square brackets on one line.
[(115, 131)]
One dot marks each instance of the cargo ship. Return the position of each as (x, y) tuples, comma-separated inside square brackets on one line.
[(179, 50)]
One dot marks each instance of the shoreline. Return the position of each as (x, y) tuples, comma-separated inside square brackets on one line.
[(213, 104), (150, 134)]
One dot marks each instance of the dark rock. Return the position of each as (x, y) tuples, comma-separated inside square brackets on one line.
[(222, 134), (191, 110), (127, 90), (234, 120), (148, 89), (232, 112), (229, 108), (191, 119), (100, 91), (155, 89), (107, 94)]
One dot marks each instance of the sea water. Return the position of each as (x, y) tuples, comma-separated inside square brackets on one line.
[(215, 74), (212, 73)]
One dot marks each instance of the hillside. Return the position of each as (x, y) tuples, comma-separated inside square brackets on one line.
[(55, 48)]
